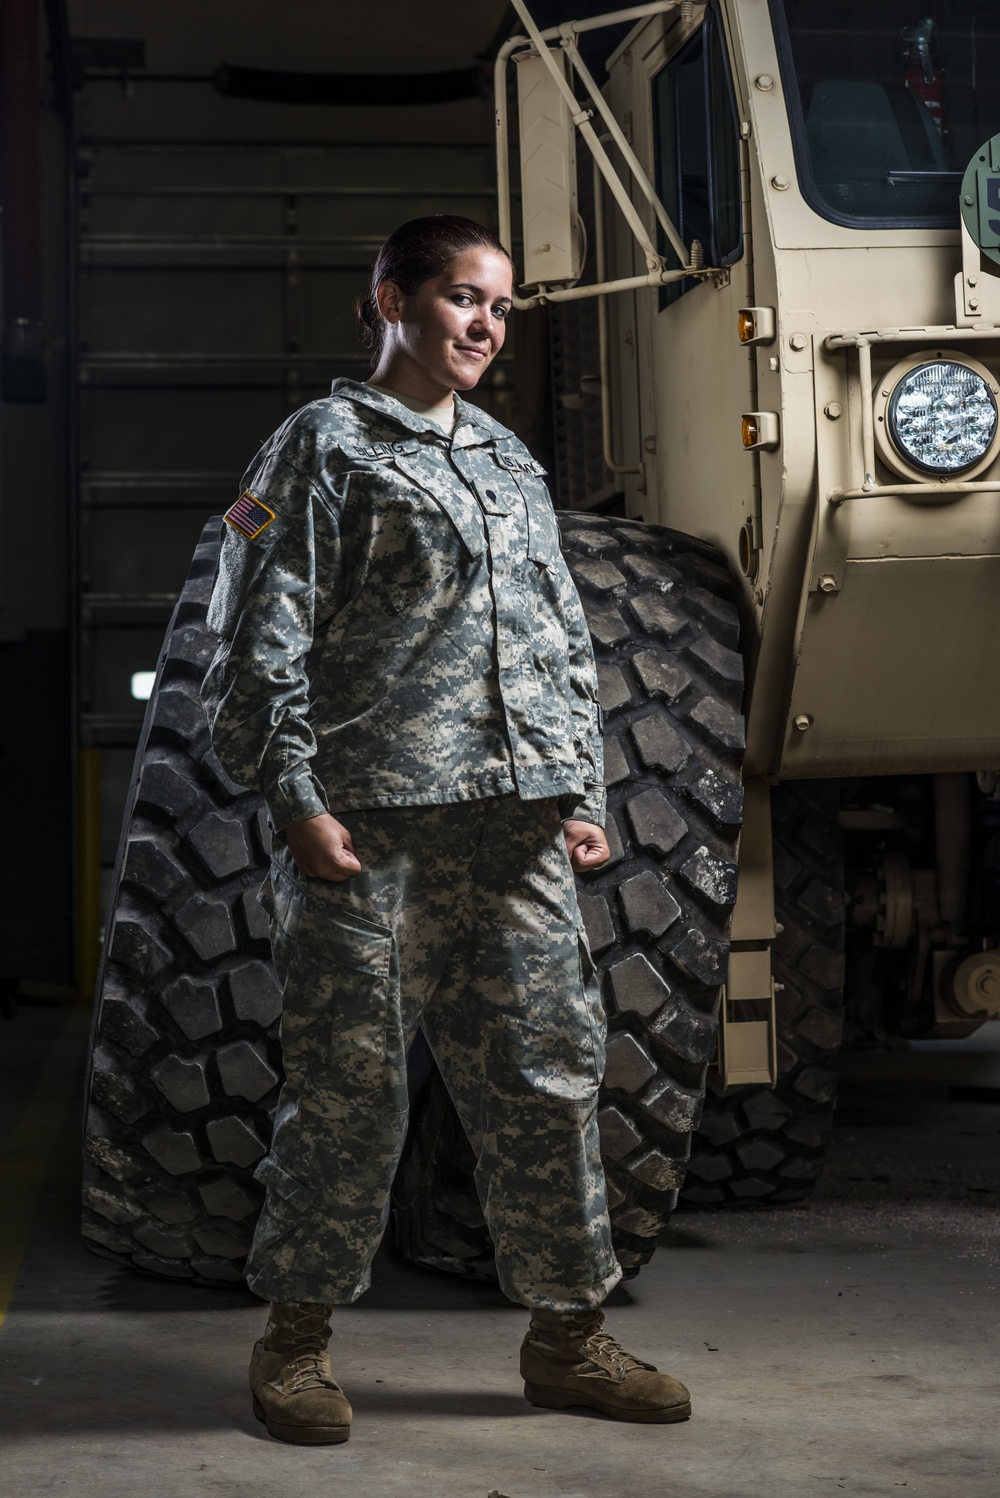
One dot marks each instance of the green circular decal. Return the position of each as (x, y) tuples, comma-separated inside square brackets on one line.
[(981, 198)]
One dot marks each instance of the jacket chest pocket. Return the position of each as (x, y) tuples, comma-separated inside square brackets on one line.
[(529, 478), (417, 552), (543, 528), (425, 531)]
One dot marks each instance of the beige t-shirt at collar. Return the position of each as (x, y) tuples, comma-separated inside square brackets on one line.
[(443, 416)]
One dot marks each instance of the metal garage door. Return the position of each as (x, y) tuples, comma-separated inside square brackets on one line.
[(215, 294)]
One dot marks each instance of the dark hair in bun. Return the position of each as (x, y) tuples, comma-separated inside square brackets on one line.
[(414, 253)]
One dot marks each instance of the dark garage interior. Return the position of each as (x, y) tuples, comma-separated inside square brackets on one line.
[(193, 196)]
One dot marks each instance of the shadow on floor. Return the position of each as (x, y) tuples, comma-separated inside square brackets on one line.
[(396, 1286), (138, 1378)]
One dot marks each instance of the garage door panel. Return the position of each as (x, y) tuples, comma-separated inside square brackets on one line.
[(195, 215), (157, 311), (147, 550), (179, 429)]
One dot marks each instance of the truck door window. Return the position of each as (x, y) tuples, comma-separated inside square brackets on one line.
[(888, 103), (696, 146)]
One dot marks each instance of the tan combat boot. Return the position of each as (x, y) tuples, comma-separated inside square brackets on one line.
[(568, 1359), (291, 1379)]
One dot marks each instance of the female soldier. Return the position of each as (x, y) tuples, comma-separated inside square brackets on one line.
[(406, 675)]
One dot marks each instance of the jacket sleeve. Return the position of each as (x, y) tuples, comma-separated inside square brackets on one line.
[(591, 805), (266, 605)]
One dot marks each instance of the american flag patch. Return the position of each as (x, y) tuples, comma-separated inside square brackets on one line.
[(249, 516)]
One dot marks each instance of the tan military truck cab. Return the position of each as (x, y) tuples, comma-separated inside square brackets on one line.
[(795, 252)]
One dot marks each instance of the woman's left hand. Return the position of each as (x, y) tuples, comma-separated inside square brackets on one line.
[(586, 845)]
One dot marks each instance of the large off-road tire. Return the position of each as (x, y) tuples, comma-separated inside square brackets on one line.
[(665, 629), (757, 1146), (185, 1063)]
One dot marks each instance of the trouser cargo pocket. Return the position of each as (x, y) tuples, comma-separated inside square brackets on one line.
[(341, 993), (289, 1204), (286, 1188), (590, 989)]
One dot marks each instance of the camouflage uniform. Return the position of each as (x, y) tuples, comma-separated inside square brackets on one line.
[(427, 567), (402, 645)]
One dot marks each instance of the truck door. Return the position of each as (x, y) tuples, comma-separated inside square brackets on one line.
[(694, 379)]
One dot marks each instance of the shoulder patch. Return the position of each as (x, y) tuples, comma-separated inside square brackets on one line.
[(249, 516)]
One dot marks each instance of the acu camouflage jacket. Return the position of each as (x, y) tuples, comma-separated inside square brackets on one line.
[(404, 630)]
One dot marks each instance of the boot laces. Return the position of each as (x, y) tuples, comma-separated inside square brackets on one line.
[(297, 1327), (309, 1371), (608, 1355), (308, 1322)]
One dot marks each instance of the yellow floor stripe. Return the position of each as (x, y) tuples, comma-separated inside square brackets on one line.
[(25, 1154)]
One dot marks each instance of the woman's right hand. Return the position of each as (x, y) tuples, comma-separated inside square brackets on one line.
[(323, 849)]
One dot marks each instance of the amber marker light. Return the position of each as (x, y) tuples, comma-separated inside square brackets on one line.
[(755, 324), (751, 431)]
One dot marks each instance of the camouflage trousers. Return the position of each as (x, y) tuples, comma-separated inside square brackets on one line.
[(465, 921)]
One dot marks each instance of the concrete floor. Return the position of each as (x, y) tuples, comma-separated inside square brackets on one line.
[(847, 1346)]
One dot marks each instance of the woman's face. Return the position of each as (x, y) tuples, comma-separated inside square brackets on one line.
[(453, 326)]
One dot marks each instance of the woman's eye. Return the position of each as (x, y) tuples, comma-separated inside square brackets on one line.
[(462, 299), (500, 312)]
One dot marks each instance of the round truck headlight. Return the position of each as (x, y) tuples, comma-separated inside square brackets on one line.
[(942, 417)]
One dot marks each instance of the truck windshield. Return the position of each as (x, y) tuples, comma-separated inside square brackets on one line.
[(888, 102)]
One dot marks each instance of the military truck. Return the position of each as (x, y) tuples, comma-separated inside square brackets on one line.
[(768, 248), (796, 223)]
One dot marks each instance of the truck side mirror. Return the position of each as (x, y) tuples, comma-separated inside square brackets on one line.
[(553, 242)]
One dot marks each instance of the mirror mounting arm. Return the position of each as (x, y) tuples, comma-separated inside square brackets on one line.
[(536, 41)]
